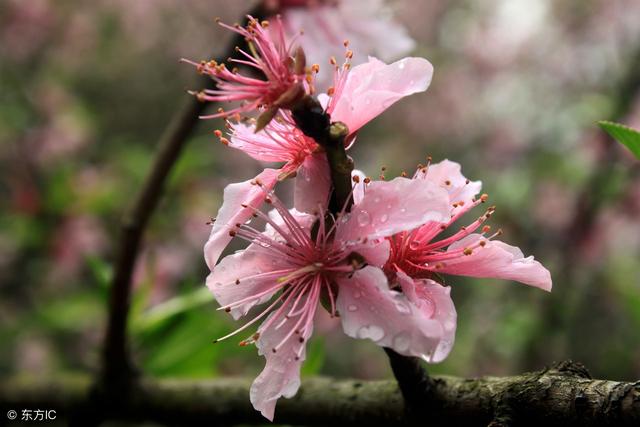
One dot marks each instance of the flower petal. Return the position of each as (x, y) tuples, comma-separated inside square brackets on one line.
[(231, 212), (367, 24), (369, 309), (259, 145), (313, 184), (373, 87), (389, 207), (281, 374), (434, 301), (496, 260), (448, 175), (250, 272)]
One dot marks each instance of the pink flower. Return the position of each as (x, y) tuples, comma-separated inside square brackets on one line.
[(367, 24), (270, 54), (466, 253), (359, 95), (417, 255), (291, 268)]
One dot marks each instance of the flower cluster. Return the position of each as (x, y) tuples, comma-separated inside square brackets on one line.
[(376, 261)]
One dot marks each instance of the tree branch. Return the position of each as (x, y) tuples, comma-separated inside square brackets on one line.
[(561, 396), (117, 367)]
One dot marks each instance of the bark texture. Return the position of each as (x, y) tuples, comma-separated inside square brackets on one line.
[(564, 395)]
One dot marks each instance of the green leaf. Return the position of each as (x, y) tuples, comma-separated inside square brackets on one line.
[(161, 313), (624, 135)]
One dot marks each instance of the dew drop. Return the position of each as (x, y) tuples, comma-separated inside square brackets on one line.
[(373, 332), (401, 342), (402, 307), (449, 325), (401, 65), (428, 307), (352, 308), (384, 218), (363, 218), (376, 200), (403, 210), (357, 294), (217, 284)]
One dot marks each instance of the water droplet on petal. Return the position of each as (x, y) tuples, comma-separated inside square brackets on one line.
[(384, 218), (373, 332), (217, 284), (352, 308), (449, 325), (402, 341), (376, 200), (401, 65), (357, 294), (403, 210), (402, 307), (363, 218), (428, 307)]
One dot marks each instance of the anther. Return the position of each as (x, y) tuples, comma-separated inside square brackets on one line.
[(367, 180), (484, 198), (237, 281), (356, 179), (467, 251)]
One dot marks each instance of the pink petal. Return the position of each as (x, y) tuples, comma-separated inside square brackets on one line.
[(369, 309), (281, 374), (259, 145), (496, 260), (231, 212), (304, 220), (313, 184), (368, 26), (374, 86), (375, 252), (448, 175), (389, 207), (434, 301), (246, 273)]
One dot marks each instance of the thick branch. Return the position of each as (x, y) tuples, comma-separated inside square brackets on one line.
[(562, 396)]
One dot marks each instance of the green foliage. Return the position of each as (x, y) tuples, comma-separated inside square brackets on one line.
[(623, 134)]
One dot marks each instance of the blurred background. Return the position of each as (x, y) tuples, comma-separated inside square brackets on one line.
[(87, 87)]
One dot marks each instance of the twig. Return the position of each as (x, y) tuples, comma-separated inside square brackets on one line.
[(561, 396), (314, 122)]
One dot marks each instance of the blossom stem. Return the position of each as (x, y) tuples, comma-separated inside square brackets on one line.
[(314, 122), (310, 117)]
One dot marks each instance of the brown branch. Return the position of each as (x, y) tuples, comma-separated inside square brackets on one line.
[(117, 367), (562, 396)]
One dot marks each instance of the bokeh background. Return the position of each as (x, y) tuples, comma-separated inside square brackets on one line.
[(87, 87)]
